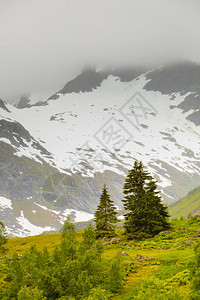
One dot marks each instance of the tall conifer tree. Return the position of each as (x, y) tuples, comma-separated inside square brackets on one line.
[(146, 214), (105, 215)]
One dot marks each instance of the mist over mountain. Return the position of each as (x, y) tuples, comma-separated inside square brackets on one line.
[(45, 44)]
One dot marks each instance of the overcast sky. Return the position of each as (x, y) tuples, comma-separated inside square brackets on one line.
[(45, 43)]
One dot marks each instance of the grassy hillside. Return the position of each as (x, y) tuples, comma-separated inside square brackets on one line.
[(163, 261), (189, 204)]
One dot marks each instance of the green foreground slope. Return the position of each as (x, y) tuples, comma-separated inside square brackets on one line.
[(189, 204), (159, 265)]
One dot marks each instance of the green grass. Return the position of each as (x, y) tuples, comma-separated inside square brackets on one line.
[(20, 245), (186, 205), (172, 254), (170, 265)]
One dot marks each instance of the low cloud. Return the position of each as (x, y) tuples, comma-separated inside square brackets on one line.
[(45, 43)]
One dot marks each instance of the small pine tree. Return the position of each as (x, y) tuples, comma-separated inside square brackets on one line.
[(68, 242), (146, 215), (68, 230), (89, 238), (3, 237), (105, 215)]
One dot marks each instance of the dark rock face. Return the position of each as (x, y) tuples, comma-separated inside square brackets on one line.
[(23, 102), (128, 74), (18, 135), (14, 132), (85, 82), (3, 105), (191, 101), (19, 175), (195, 118), (90, 79), (181, 78)]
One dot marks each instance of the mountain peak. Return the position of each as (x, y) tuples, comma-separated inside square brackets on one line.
[(91, 78)]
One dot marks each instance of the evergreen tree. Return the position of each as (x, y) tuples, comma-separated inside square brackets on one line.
[(89, 238), (146, 215), (68, 230), (3, 237), (105, 215), (69, 242)]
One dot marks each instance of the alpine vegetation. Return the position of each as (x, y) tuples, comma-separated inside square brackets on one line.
[(146, 215), (105, 215)]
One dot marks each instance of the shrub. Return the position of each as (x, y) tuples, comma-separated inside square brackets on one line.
[(27, 293)]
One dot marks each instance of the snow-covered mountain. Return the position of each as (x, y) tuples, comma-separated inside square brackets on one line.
[(56, 156)]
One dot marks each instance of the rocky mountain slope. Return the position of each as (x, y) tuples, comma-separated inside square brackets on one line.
[(56, 155)]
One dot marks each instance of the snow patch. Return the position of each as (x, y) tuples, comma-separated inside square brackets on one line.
[(5, 203), (5, 140), (29, 228), (57, 212), (79, 216)]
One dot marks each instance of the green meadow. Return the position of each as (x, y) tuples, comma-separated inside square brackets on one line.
[(160, 266)]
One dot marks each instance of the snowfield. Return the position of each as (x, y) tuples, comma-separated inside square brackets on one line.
[(100, 126)]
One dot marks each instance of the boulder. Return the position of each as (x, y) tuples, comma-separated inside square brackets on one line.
[(139, 257), (124, 254)]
